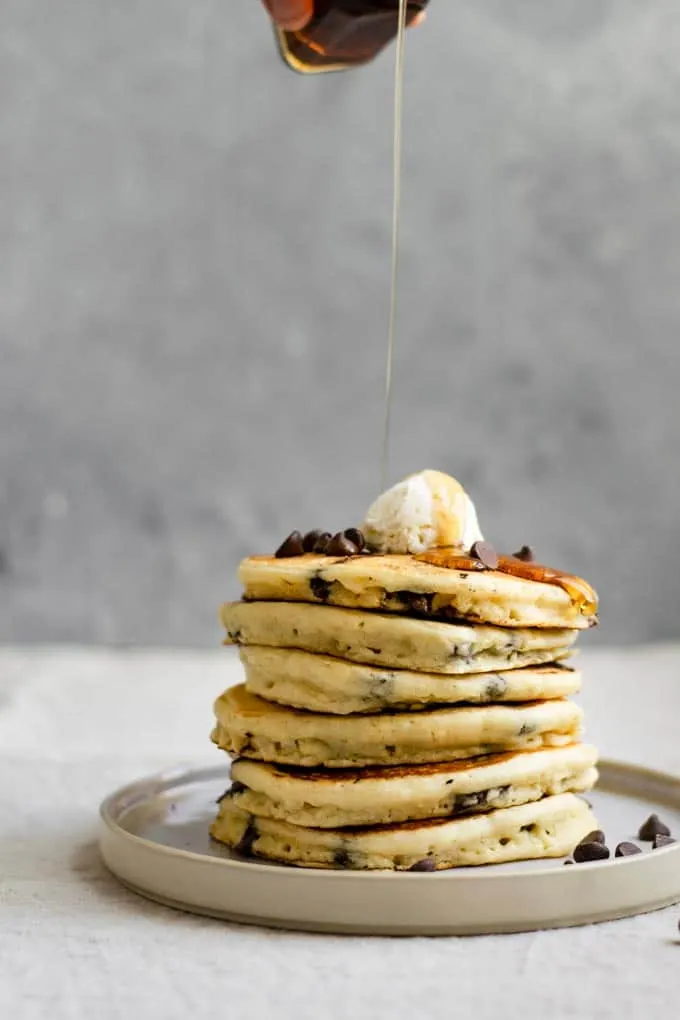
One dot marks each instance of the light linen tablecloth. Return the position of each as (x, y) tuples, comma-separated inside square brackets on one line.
[(74, 724)]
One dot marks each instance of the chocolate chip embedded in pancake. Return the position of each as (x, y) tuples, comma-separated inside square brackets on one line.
[(406, 584), (550, 827), (336, 798), (320, 683), (391, 641), (251, 727)]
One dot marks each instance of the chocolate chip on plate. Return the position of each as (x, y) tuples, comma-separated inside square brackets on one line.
[(427, 864), (569, 861), (291, 547), (322, 541), (653, 827), (596, 836), (627, 850), (356, 536), (661, 840), (486, 554), (340, 545), (526, 554), (310, 540), (591, 852)]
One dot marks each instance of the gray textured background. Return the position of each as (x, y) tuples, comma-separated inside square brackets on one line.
[(193, 299)]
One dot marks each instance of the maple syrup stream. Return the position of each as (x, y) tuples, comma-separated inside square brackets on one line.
[(396, 204), (580, 592)]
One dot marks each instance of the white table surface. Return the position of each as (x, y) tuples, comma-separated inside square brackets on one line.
[(75, 723)]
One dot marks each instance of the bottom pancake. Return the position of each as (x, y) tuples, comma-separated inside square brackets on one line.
[(550, 827), (335, 798)]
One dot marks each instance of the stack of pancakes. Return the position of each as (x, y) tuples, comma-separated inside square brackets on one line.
[(402, 715)]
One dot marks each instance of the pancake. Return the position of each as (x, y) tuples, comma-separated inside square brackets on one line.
[(400, 642), (335, 798), (250, 727), (404, 584), (551, 827), (319, 683)]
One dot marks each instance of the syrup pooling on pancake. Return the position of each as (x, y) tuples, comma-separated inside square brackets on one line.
[(579, 591)]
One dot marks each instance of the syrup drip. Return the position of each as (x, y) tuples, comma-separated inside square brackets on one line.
[(582, 595), (396, 204), (451, 558), (579, 591)]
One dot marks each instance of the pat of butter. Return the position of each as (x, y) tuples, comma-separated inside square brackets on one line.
[(429, 510)]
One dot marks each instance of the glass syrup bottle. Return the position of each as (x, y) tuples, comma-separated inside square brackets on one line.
[(344, 33)]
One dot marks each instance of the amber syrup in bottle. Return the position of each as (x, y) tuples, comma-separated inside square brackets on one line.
[(344, 33)]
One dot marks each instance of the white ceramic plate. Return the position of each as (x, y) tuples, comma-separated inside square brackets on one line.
[(154, 838)]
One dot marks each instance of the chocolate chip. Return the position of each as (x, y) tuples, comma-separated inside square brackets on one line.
[(627, 850), (486, 554), (310, 540), (653, 827), (356, 536), (470, 801), (291, 547), (427, 864), (590, 852), (450, 614), (416, 603), (322, 542), (525, 554), (661, 840), (569, 862), (320, 588), (245, 844), (496, 688), (235, 788), (342, 858), (340, 545), (596, 836), (473, 801)]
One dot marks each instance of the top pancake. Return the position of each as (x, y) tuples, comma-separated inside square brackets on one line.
[(404, 584)]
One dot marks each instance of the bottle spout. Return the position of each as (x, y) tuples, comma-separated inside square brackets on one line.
[(344, 34)]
